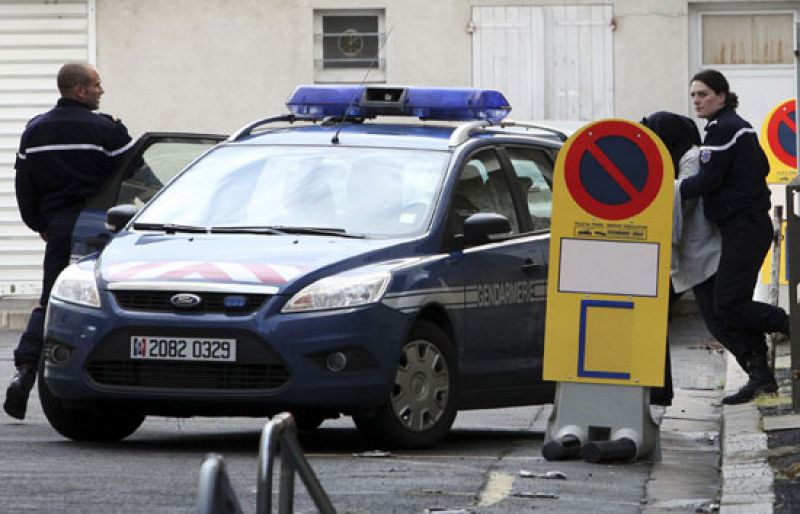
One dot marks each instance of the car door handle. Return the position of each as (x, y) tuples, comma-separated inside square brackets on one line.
[(529, 266)]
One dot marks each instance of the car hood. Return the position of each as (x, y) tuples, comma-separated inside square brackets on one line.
[(246, 259)]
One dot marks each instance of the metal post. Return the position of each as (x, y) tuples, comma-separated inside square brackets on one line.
[(286, 496), (793, 259), (793, 272), (269, 443), (775, 275)]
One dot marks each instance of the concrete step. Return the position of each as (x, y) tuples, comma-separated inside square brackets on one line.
[(15, 311)]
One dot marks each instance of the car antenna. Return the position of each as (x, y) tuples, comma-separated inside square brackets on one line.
[(335, 138)]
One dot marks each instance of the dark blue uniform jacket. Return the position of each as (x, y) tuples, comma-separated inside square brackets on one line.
[(64, 157), (733, 169)]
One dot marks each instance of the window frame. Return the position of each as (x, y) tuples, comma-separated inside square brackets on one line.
[(372, 74), (747, 12)]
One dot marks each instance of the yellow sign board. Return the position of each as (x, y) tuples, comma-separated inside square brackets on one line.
[(610, 247)]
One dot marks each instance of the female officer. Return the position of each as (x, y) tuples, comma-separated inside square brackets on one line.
[(732, 183)]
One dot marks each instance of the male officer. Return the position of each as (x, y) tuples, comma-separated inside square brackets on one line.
[(64, 157)]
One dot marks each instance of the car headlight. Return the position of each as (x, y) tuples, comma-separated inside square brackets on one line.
[(340, 292), (77, 284)]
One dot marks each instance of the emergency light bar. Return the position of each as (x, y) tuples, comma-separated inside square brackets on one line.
[(427, 103)]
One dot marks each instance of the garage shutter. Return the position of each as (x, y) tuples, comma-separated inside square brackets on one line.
[(36, 37)]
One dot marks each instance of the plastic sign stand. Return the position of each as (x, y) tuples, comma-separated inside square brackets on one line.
[(608, 291)]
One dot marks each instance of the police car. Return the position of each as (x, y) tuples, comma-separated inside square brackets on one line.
[(334, 260), (153, 160)]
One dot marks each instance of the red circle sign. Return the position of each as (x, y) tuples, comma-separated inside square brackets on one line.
[(783, 148), (623, 158)]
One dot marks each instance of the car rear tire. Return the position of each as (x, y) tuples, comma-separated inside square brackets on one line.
[(422, 404), (90, 423)]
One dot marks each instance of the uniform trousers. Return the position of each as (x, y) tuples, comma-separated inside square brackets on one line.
[(56, 257), (726, 300)]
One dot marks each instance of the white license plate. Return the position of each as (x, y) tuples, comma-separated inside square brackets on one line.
[(183, 349)]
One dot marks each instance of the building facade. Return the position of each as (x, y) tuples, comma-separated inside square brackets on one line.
[(211, 66)]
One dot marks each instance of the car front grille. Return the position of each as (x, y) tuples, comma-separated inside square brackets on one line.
[(257, 366), (188, 375), (159, 301)]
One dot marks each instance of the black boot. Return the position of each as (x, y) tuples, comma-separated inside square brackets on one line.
[(18, 390), (761, 381)]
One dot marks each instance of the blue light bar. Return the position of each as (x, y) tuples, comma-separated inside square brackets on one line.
[(428, 103)]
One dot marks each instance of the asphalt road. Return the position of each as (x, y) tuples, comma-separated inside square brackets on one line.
[(476, 469)]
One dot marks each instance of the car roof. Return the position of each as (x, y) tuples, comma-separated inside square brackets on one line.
[(440, 136)]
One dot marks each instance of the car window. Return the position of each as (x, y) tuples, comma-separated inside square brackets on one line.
[(481, 187), (373, 191), (534, 173), (159, 163)]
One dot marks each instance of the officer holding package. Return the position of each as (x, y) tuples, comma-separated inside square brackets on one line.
[(65, 156)]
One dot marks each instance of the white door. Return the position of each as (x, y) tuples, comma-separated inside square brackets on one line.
[(36, 37), (552, 62), (752, 45)]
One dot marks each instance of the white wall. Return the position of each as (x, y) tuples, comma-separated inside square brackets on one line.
[(211, 65)]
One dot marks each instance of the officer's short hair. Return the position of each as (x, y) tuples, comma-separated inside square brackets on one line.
[(72, 74)]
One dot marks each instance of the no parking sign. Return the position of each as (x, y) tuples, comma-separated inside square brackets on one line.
[(778, 138), (609, 252)]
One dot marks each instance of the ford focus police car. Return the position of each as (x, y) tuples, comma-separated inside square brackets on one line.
[(324, 262)]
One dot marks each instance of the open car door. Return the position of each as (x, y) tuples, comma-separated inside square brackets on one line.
[(152, 162)]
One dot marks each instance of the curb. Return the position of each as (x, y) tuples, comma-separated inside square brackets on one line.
[(15, 311), (747, 478)]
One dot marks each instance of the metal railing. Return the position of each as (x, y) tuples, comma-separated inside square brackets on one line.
[(279, 438), (281, 434), (215, 494)]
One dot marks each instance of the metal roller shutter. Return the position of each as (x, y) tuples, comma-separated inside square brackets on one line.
[(36, 37)]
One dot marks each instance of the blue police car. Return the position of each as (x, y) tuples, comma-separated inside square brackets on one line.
[(379, 252)]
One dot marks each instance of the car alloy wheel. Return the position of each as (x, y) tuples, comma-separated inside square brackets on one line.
[(421, 386), (422, 403)]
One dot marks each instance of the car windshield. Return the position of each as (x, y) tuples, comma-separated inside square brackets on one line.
[(345, 190)]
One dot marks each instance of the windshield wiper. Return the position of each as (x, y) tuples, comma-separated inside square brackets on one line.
[(280, 229), (170, 228), (245, 229)]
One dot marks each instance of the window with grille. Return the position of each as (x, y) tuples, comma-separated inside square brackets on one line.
[(348, 46)]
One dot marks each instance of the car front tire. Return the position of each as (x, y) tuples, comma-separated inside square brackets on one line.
[(421, 406), (93, 423)]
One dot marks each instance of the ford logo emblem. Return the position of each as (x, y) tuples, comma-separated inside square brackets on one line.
[(185, 300)]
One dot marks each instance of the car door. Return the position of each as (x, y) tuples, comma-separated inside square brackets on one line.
[(505, 283), (154, 159)]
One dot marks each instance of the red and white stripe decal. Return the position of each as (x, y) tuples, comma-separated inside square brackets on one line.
[(202, 270)]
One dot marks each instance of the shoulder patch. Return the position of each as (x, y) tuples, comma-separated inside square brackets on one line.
[(110, 117), (705, 155)]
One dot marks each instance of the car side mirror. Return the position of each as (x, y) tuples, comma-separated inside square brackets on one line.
[(119, 216), (483, 227)]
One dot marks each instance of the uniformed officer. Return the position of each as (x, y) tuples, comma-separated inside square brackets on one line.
[(64, 158), (732, 183)]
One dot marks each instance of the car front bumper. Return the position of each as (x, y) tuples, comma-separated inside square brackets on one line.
[(281, 360)]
